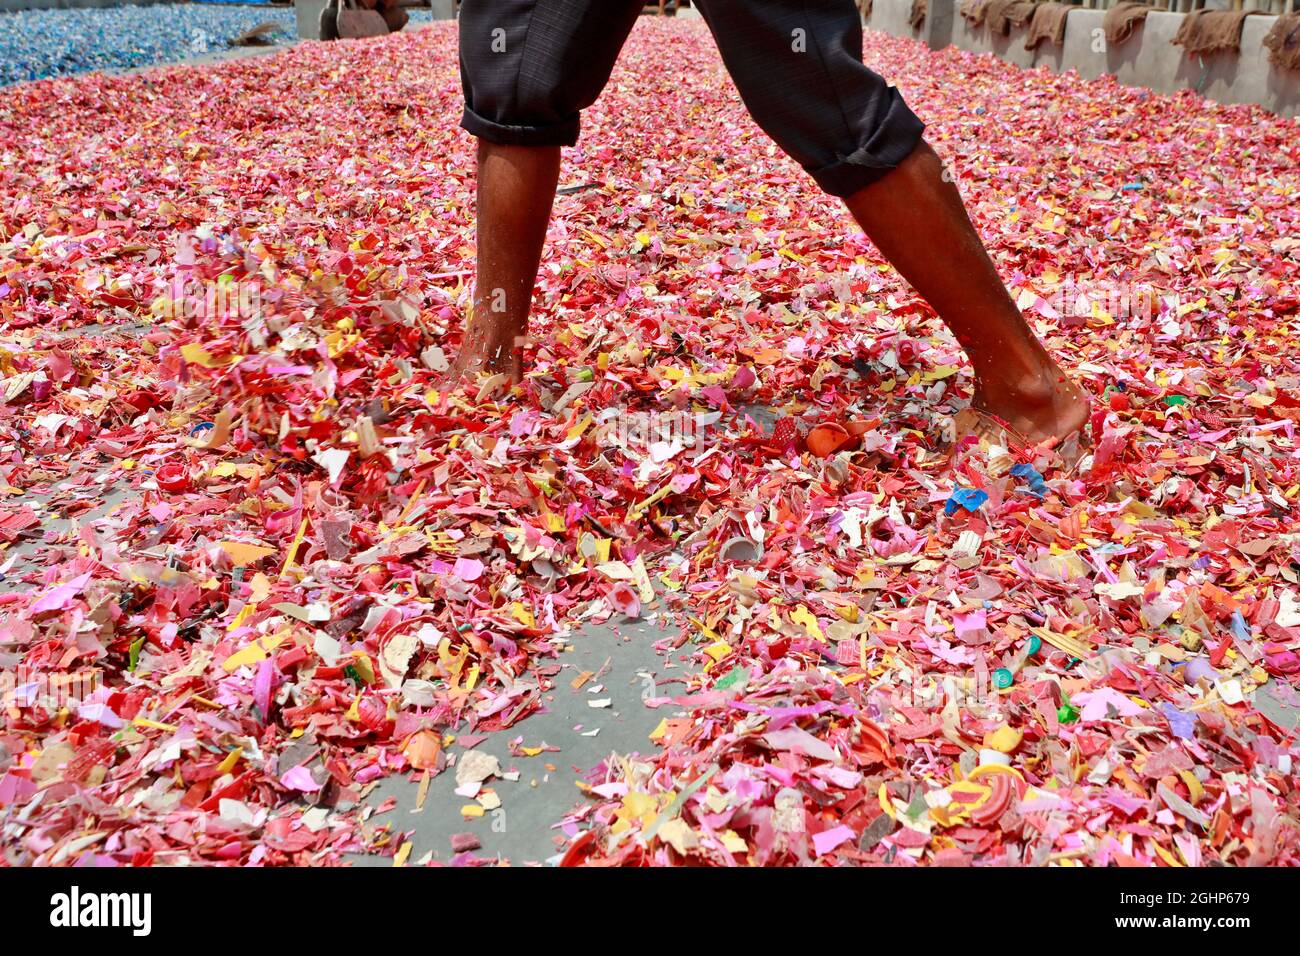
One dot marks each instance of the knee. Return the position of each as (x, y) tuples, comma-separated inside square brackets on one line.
[(510, 98)]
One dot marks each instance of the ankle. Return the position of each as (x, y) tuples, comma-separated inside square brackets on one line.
[(493, 335), (1037, 385)]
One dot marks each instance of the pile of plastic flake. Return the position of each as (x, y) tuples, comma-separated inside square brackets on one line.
[(35, 44), (255, 558)]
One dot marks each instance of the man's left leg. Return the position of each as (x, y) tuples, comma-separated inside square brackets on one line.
[(919, 223), (528, 69), (798, 66)]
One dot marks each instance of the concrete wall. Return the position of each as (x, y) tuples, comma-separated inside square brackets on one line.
[(1146, 59), (892, 18), (307, 14)]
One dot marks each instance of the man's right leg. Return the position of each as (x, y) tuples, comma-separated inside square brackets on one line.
[(516, 186), (528, 68)]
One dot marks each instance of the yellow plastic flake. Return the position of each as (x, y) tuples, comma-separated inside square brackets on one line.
[(939, 372), (637, 807), (410, 504), (801, 615), (253, 652), (243, 554), (706, 630), (400, 858), (677, 834), (1166, 855), (1194, 787), (145, 724), (232, 758), (471, 810), (733, 842), (196, 354), (1004, 739), (985, 769), (718, 650), (245, 612), (642, 507), (641, 580), (340, 342), (293, 548), (577, 430), (265, 644)]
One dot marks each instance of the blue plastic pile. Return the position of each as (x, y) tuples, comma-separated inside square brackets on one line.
[(36, 44)]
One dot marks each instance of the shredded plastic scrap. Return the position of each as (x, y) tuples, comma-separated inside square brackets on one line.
[(255, 557)]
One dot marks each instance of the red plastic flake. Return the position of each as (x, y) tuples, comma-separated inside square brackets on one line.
[(270, 550)]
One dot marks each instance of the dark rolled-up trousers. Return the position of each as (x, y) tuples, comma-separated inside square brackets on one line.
[(529, 68)]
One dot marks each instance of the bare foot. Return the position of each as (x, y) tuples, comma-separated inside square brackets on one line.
[(487, 354), (1046, 407)]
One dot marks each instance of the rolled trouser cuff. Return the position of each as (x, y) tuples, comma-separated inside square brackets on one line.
[(551, 134), (893, 141)]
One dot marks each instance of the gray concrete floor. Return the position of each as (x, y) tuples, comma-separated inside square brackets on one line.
[(31, 547), (523, 830)]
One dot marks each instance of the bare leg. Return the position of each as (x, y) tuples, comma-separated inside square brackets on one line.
[(919, 223), (516, 187)]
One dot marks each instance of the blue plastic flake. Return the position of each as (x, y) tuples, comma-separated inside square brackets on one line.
[(1240, 629), (1032, 479), (968, 498)]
